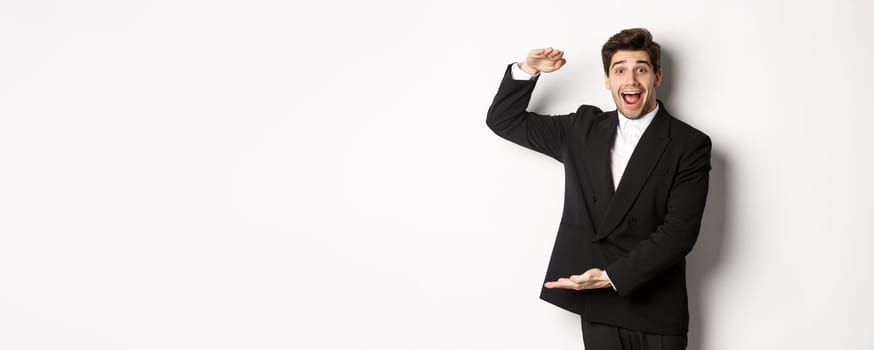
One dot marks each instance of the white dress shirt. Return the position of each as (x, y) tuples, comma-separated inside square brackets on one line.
[(628, 133)]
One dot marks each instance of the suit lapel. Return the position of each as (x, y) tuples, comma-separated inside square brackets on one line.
[(597, 165), (644, 158)]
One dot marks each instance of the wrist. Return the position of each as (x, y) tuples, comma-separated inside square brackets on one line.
[(528, 69)]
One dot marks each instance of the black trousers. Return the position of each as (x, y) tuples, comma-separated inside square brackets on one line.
[(599, 336)]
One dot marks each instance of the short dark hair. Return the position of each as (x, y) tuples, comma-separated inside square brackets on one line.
[(634, 39)]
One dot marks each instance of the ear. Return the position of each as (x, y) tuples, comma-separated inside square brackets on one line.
[(607, 81), (658, 78)]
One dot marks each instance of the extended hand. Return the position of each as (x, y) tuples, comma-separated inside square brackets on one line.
[(593, 278), (543, 60)]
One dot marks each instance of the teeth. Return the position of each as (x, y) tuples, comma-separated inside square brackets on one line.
[(631, 93)]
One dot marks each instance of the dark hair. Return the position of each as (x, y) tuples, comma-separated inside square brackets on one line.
[(634, 39)]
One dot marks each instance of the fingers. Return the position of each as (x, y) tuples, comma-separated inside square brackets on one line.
[(585, 276), (567, 283), (562, 283), (579, 278), (545, 60), (553, 54), (548, 53), (590, 279)]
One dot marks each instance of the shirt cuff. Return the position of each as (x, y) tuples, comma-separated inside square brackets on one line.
[(519, 74), (608, 279)]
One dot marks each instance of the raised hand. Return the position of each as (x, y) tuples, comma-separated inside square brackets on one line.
[(543, 60)]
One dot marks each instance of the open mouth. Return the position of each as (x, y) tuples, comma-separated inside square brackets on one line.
[(631, 98)]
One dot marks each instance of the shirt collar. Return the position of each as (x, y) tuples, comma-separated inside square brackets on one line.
[(639, 123)]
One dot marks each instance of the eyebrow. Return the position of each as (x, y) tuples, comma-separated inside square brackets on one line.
[(638, 61)]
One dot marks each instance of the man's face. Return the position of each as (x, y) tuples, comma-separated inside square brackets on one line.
[(632, 82)]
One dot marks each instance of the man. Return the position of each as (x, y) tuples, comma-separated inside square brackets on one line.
[(636, 183)]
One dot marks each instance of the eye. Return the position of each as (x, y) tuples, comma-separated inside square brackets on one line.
[(641, 70), (619, 71)]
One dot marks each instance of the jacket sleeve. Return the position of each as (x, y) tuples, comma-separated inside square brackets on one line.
[(508, 118), (672, 240)]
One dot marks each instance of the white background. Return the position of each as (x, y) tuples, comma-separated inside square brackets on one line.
[(288, 175)]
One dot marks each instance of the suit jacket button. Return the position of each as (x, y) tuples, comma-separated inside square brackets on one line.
[(594, 199), (632, 221)]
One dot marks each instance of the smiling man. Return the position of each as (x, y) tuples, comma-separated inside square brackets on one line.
[(636, 182)]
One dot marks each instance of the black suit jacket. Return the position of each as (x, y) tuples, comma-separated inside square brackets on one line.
[(641, 233)]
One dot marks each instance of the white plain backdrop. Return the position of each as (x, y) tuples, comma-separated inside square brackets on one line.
[(318, 175)]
